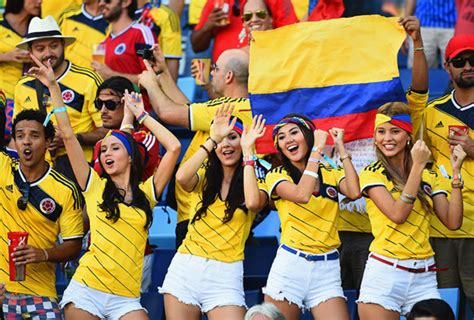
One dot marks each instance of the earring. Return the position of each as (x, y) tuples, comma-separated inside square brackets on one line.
[(408, 143)]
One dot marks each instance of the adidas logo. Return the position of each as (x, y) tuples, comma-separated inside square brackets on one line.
[(439, 125), (27, 99), (75, 29), (9, 187)]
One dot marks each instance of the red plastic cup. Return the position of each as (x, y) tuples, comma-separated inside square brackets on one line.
[(464, 130), (15, 239)]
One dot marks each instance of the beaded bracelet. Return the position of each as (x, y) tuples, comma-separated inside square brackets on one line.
[(205, 149), (142, 117), (346, 156), (213, 141)]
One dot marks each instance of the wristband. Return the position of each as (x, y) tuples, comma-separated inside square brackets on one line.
[(46, 256), (55, 110), (457, 177), (459, 184), (248, 163), (205, 149), (127, 127), (311, 174), (407, 198), (213, 141), (346, 156), (252, 157), (311, 159), (419, 49), (142, 117), (318, 150)]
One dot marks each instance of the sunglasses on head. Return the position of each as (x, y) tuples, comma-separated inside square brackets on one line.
[(22, 202), (247, 16), (109, 104), (461, 62)]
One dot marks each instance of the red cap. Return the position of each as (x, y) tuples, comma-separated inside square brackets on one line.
[(458, 44)]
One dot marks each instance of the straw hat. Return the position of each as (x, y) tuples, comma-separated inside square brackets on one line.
[(46, 28)]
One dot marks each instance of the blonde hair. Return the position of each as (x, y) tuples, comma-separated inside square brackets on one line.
[(398, 178)]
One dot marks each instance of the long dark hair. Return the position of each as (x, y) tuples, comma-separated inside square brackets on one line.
[(112, 195), (294, 173), (213, 181)]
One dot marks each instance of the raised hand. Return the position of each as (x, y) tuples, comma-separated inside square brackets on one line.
[(411, 24), (42, 72), (147, 79), (159, 64), (252, 133), (420, 153), (222, 126), (134, 103), (457, 157), (320, 138)]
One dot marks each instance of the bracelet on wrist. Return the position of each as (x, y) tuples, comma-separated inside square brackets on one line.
[(344, 157), (457, 184), (142, 117), (127, 127), (55, 110), (457, 176), (248, 163), (407, 198), (251, 157), (311, 174), (205, 149), (214, 142), (419, 49), (46, 256), (317, 149), (311, 159)]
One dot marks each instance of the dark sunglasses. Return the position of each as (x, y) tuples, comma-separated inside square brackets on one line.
[(109, 104), (247, 16), (461, 62), (25, 195)]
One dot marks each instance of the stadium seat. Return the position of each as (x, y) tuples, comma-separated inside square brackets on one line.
[(187, 86), (162, 231), (153, 302), (253, 297), (259, 255), (161, 261), (269, 227)]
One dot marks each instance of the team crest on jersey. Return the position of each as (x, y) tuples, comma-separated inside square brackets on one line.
[(47, 205), (120, 49), (427, 189), (332, 192), (68, 95)]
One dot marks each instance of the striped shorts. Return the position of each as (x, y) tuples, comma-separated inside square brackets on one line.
[(24, 306)]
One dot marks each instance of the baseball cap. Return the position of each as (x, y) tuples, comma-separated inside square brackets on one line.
[(458, 44)]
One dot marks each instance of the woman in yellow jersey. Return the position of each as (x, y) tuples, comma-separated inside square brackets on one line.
[(306, 272), (401, 197), (206, 274), (106, 285)]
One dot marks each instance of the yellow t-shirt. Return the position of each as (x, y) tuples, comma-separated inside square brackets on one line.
[(300, 7), (56, 7), (169, 35), (10, 72), (359, 221), (114, 261), (210, 237), (309, 227), (87, 29), (78, 86), (54, 207), (200, 119), (438, 116), (400, 241), (195, 10)]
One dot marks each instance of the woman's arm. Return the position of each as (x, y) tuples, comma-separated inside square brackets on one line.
[(451, 213), (349, 186), (255, 199), (45, 74), (134, 103)]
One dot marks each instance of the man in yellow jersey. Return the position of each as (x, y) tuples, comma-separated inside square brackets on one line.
[(78, 85), (229, 82), (449, 121), (55, 8), (36, 199), (86, 24)]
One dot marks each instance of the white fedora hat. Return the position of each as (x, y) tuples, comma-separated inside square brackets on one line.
[(46, 28)]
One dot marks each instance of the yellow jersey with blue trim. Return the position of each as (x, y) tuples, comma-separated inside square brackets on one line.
[(200, 119), (113, 263), (195, 10), (310, 227), (55, 8), (212, 238), (409, 240), (87, 29), (54, 209), (439, 115), (10, 72), (79, 87)]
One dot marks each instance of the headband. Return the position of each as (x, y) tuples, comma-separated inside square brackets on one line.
[(401, 120), (295, 120), (238, 126), (122, 137)]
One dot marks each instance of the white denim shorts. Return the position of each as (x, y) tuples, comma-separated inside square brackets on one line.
[(101, 304), (395, 289), (205, 283), (302, 282)]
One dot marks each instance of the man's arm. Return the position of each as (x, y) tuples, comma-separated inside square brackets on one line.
[(90, 138), (410, 6), (173, 67), (105, 72), (203, 33), (68, 250)]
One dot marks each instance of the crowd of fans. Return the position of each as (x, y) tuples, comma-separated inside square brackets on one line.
[(87, 90)]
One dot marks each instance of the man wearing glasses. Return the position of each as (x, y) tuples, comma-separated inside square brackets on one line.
[(42, 202), (449, 121)]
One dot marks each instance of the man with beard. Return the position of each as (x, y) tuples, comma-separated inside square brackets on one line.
[(78, 85), (36, 199), (449, 121)]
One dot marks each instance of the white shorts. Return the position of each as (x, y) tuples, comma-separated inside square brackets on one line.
[(103, 305), (205, 283), (395, 289), (302, 282), (146, 275)]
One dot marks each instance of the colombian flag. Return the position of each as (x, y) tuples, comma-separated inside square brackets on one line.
[(336, 72)]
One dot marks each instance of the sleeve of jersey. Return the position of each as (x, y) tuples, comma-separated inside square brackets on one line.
[(148, 187), (205, 14), (369, 179), (273, 178), (170, 36), (417, 103), (200, 117), (70, 221)]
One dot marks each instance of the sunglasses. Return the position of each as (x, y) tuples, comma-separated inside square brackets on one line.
[(25, 194), (247, 16), (461, 62), (109, 104)]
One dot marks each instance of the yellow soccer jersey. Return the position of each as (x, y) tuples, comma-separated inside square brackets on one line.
[(169, 35), (359, 221), (309, 227), (409, 240), (210, 237), (300, 7), (438, 116), (56, 7), (78, 86), (114, 261), (200, 119), (10, 72), (87, 29), (195, 10), (54, 207)]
